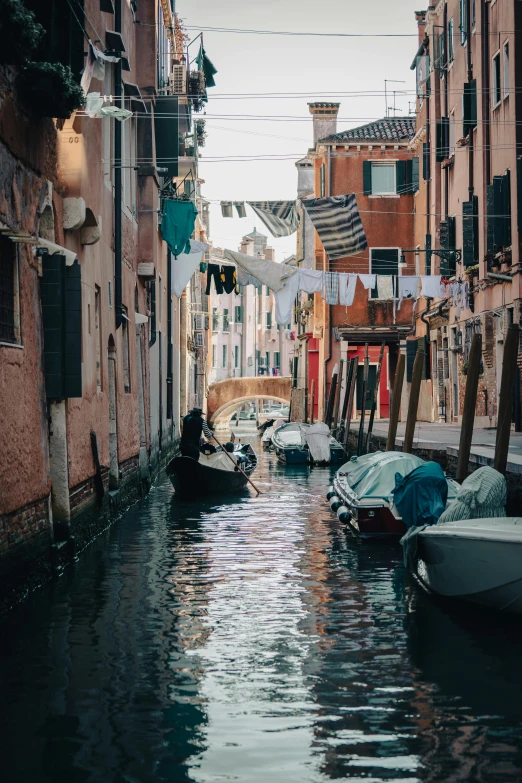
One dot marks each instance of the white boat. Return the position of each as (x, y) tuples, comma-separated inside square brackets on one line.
[(477, 560), (299, 443)]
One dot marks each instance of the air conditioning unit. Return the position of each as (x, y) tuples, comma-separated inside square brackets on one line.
[(199, 338), (178, 80)]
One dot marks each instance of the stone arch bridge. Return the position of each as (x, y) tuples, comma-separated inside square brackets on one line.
[(231, 393)]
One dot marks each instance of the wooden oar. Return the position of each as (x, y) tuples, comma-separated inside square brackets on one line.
[(237, 466)]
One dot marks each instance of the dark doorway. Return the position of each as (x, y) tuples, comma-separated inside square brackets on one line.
[(370, 386)]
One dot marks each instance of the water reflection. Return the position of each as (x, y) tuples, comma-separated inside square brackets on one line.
[(253, 640)]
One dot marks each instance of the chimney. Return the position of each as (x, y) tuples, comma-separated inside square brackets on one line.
[(325, 119), (305, 177)]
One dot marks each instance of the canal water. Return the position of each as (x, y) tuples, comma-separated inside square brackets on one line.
[(253, 641)]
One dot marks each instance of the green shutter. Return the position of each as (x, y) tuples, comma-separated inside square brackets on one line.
[(506, 209), (469, 107), (442, 136), (51, 293), (490, 225), (468, 234), (519, 194), (426, 161), (411, 350), (498, 211), (414, 175), (444, 243), (428, 246), (73, 331), (401, 177), (166, 130), (367, 177)]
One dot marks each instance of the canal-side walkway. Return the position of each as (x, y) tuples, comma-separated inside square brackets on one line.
[(252, 640)]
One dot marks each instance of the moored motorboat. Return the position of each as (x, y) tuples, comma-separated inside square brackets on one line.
[(212, 474), (362, 493), (297, 443)]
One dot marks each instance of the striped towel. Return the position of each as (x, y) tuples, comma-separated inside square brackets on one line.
[(331, 288), (337, 221), (280, 217)]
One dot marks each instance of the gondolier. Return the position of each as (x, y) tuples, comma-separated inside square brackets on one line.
[(193, 425)]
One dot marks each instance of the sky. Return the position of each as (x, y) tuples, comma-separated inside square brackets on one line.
[(303, 69)]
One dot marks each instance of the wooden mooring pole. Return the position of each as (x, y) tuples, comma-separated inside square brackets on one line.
[(505, 401), (396, 402), (331, 398), (470, 403), (349, 405), (338, 396), (312, 401), (375, 398), (360, 443), (413, 404)]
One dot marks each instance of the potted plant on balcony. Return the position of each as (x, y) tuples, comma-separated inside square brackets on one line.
[(49, 90), (20, 33), (200, 132)]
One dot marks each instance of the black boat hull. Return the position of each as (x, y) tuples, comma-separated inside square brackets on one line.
[(192, 479)]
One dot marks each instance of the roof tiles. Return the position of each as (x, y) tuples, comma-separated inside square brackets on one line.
[(387, 129)]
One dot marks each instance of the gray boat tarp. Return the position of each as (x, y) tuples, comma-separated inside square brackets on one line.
[(482, 495), (373, 475)]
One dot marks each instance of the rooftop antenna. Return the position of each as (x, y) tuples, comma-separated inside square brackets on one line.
[(386, 82)]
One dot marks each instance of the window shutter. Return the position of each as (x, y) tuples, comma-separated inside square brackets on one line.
[(444, 235), (422, 345), (490, 210), (73, 331), (166, 131), (519, 194), (506, 208), (426, 161), (411, 350), (442, 149), (414, 175), (469, 107), (444, 243), (367, 177), (468, 243), (501, 211), (51, 294), (401, 177)]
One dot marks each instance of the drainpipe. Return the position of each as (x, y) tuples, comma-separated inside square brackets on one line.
[(169, 336), (485, 91), (446, 115), (328, 309), (471, 183), (117, 181)]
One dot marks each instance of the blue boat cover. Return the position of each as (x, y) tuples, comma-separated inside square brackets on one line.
[(421, 496)]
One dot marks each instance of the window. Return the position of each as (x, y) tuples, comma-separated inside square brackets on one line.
[(214, 357), (267, 361), (128, 143), (267, 290), (463, 22), (215, 319), (225, 349), (384, 261), (277, 359), (268, 322), (226, 323), (110, 294), (450, 41), (383, 178), (259, 317), (9, 300), (97, 331), (506, 69), (126, 352), (238, 314), (236, 356), (497, 94), (473, 14)]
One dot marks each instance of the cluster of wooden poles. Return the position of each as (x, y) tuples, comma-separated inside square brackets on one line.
[(340, 424)]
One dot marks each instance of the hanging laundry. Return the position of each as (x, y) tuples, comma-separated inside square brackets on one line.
[(177, 224), (85, 82), (206, 65), (431, 286), (280, 217), (368, 281), (214, 271), (93, 105), (465, 295), (311, 281), (241, 209), (243, 278), (384, 286), (226, 209), (331, 288), (409, 288), (337, 221), (185, 265), (347, 284), (285, 299), (229, 279), (267, 272)]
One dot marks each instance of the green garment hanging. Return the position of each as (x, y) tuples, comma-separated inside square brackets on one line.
[(177, 225), (206, 65)]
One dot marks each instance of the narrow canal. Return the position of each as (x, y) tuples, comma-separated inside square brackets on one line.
[(253, 641)]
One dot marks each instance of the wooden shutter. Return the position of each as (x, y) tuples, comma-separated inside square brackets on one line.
[(367, 177), (401, 179), (442, 137), (490, 225), (469, 107), (414, 175), (51, 294), (519, 194), (73, 331), (502, 210), (426, 161), (506, 209), (411, 350), (166, 131), (468, 242)]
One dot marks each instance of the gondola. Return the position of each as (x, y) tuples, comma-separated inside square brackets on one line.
[(212, 475)]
